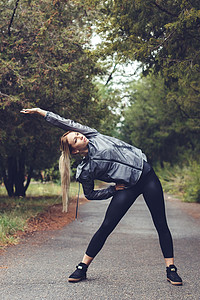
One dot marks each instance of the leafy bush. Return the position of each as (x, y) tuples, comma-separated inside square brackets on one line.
[(183, 181), (192, 183)]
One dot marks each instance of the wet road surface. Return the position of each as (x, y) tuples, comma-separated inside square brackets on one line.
[(130, 265)]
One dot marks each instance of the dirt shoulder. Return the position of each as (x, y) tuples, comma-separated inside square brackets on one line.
[(51, 219), (54, 218), (192, 209)]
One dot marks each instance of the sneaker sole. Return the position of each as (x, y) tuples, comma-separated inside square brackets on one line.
[(76, 279), (174, 283)]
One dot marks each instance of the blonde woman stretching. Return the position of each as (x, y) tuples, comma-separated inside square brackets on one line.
[(111, 160)]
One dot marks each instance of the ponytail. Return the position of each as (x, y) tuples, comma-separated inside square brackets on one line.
[(64, 167)]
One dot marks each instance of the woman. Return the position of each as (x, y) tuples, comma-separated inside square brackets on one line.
[(111, 160)]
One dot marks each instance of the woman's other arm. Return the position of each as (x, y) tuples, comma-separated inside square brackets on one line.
[(91, 194)]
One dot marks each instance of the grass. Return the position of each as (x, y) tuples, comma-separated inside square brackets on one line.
[(15, 212)]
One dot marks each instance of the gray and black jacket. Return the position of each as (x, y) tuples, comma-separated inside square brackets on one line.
[(108, 159)]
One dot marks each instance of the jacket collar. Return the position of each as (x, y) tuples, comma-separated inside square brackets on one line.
[(84, 161)]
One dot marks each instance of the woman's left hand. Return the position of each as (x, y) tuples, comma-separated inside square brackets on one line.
[(119, 186), (35, 110)]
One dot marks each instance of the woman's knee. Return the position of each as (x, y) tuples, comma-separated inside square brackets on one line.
[(106, 227), (162, 227)]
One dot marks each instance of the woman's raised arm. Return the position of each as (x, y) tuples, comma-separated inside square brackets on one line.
[(58, 121)]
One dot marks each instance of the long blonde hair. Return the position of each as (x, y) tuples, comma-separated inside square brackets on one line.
[(64, 167)]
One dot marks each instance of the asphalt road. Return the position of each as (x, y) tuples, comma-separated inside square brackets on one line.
[(130, 266)]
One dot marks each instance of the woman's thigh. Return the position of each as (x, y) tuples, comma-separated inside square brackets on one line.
[(118, 206), (153, 195)]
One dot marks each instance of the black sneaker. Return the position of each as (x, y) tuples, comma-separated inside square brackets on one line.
[(172, 275), (79, 274)]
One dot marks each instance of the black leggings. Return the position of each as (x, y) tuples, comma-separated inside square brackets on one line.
[(149, 185)]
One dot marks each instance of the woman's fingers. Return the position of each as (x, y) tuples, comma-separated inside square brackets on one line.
[(29, 110), (119, 186)]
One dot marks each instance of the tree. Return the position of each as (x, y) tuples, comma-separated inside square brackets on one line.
[(45, 62), (155, 124), (164, 37)]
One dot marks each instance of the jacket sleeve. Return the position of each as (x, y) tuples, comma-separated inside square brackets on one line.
[(91, 194), (68, 124)]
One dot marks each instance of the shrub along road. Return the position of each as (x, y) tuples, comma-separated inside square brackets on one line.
[(130, 266)]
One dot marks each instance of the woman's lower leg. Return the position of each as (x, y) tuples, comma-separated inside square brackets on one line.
[(169, 261), (153, 195), (87, 259)]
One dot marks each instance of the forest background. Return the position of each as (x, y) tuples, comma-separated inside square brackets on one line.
[(48, 60)]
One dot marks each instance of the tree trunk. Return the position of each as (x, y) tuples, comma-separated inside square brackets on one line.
[(14, 175), (20, 175), (8, 187), (162, 164), (11, 167), (28, 178)]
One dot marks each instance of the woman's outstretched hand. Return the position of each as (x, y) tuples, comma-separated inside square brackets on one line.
[(119, 186), (36, 110)]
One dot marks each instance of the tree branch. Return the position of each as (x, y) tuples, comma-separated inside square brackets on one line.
[(164, 10), (110, 76), (12, 18), (182, 111), (165, 40), (5, 95)]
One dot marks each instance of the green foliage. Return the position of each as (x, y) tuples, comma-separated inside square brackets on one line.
[(164, 37), (164, 116), (45, 62), (155, 124), (183, 181)]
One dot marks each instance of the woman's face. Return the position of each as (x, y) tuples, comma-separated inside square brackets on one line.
[(78, 142)]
